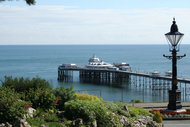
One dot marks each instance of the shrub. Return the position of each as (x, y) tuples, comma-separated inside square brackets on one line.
[(35, 122), (79, 109), (116, 108), (39, 113), (134, 112), (111, 106), (90, 111), (51, 118), (85, 96), (63, 95), (42, 98), (24, 85), (104, 117), (54, 124), (157, 116), (68, 123), (11, 107), (136, 101)]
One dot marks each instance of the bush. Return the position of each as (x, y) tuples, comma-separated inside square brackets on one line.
[(116, 108), (90, 111), (134, 112), (35, 122), (24, 85), (68, 123), (85, 96), (80, 109), (42, 98), (157, 116), (104, 117), (54, 124), (63, 95), (11, 107), (111, 106), (51, 118), (136, 101), (39, 113)]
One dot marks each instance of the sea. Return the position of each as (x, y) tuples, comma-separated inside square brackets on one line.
[(42, 61)]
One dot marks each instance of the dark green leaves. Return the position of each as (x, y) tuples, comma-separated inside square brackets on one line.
[(29, 2)]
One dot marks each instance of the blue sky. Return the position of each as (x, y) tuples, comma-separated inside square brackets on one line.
[(110, 4), (92, 21)]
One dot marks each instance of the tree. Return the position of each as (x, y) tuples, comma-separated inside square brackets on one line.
[(29, 2)]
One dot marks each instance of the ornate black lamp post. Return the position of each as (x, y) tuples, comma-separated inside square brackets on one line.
[(174, 37)]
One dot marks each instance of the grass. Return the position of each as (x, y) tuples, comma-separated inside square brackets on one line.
[(36, 122)]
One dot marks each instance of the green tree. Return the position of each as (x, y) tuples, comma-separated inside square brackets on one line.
[(29, 2)]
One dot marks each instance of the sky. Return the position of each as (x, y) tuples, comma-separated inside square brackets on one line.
[(92, 21)]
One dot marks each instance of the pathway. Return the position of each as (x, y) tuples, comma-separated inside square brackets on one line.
[(186, 105), (176, 123), (167, 123)]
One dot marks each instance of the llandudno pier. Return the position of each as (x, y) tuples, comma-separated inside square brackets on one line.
[(98, 71)]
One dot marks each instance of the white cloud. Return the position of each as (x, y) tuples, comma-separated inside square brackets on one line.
[(69, 25)]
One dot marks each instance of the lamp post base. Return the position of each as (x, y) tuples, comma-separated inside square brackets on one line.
[(174, 100)]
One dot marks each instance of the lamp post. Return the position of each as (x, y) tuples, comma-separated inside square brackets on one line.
[(174, 37)]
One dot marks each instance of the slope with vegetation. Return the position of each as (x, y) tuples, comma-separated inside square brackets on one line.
[(62, 107)]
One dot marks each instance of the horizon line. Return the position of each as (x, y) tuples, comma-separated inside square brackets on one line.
[(77, 44)]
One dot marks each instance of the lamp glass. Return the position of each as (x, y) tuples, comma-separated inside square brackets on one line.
[(174, 39)]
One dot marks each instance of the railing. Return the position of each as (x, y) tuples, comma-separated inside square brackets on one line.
[(145, 74)]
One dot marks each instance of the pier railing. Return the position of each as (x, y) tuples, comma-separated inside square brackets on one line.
[(134, 73), (142, 81)]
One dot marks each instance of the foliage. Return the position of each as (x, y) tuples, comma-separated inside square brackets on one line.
[(38, 94), (63, 95), (29, 2), (85, 96), (124, 109), (25, 84), (11, 107), (90, 111), (68, 123), (39, 113), (116, 108), (162, 101), (111, 106), (51, 118), (157, 117), (42, 98), (54, 124), (80, 109), (134, 112), (35, 122), (136, 101)]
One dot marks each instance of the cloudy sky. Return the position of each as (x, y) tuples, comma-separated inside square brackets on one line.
[(92, 21)]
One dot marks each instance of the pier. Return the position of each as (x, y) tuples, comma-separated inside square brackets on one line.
[(66, 73), (107, 74)]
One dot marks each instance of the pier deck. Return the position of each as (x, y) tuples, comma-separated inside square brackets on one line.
[(106, 70), (155, 83)]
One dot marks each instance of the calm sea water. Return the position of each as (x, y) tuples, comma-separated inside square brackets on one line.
[(43, 60)]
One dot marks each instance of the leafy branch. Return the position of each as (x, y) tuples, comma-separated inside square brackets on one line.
[(29, 2)]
